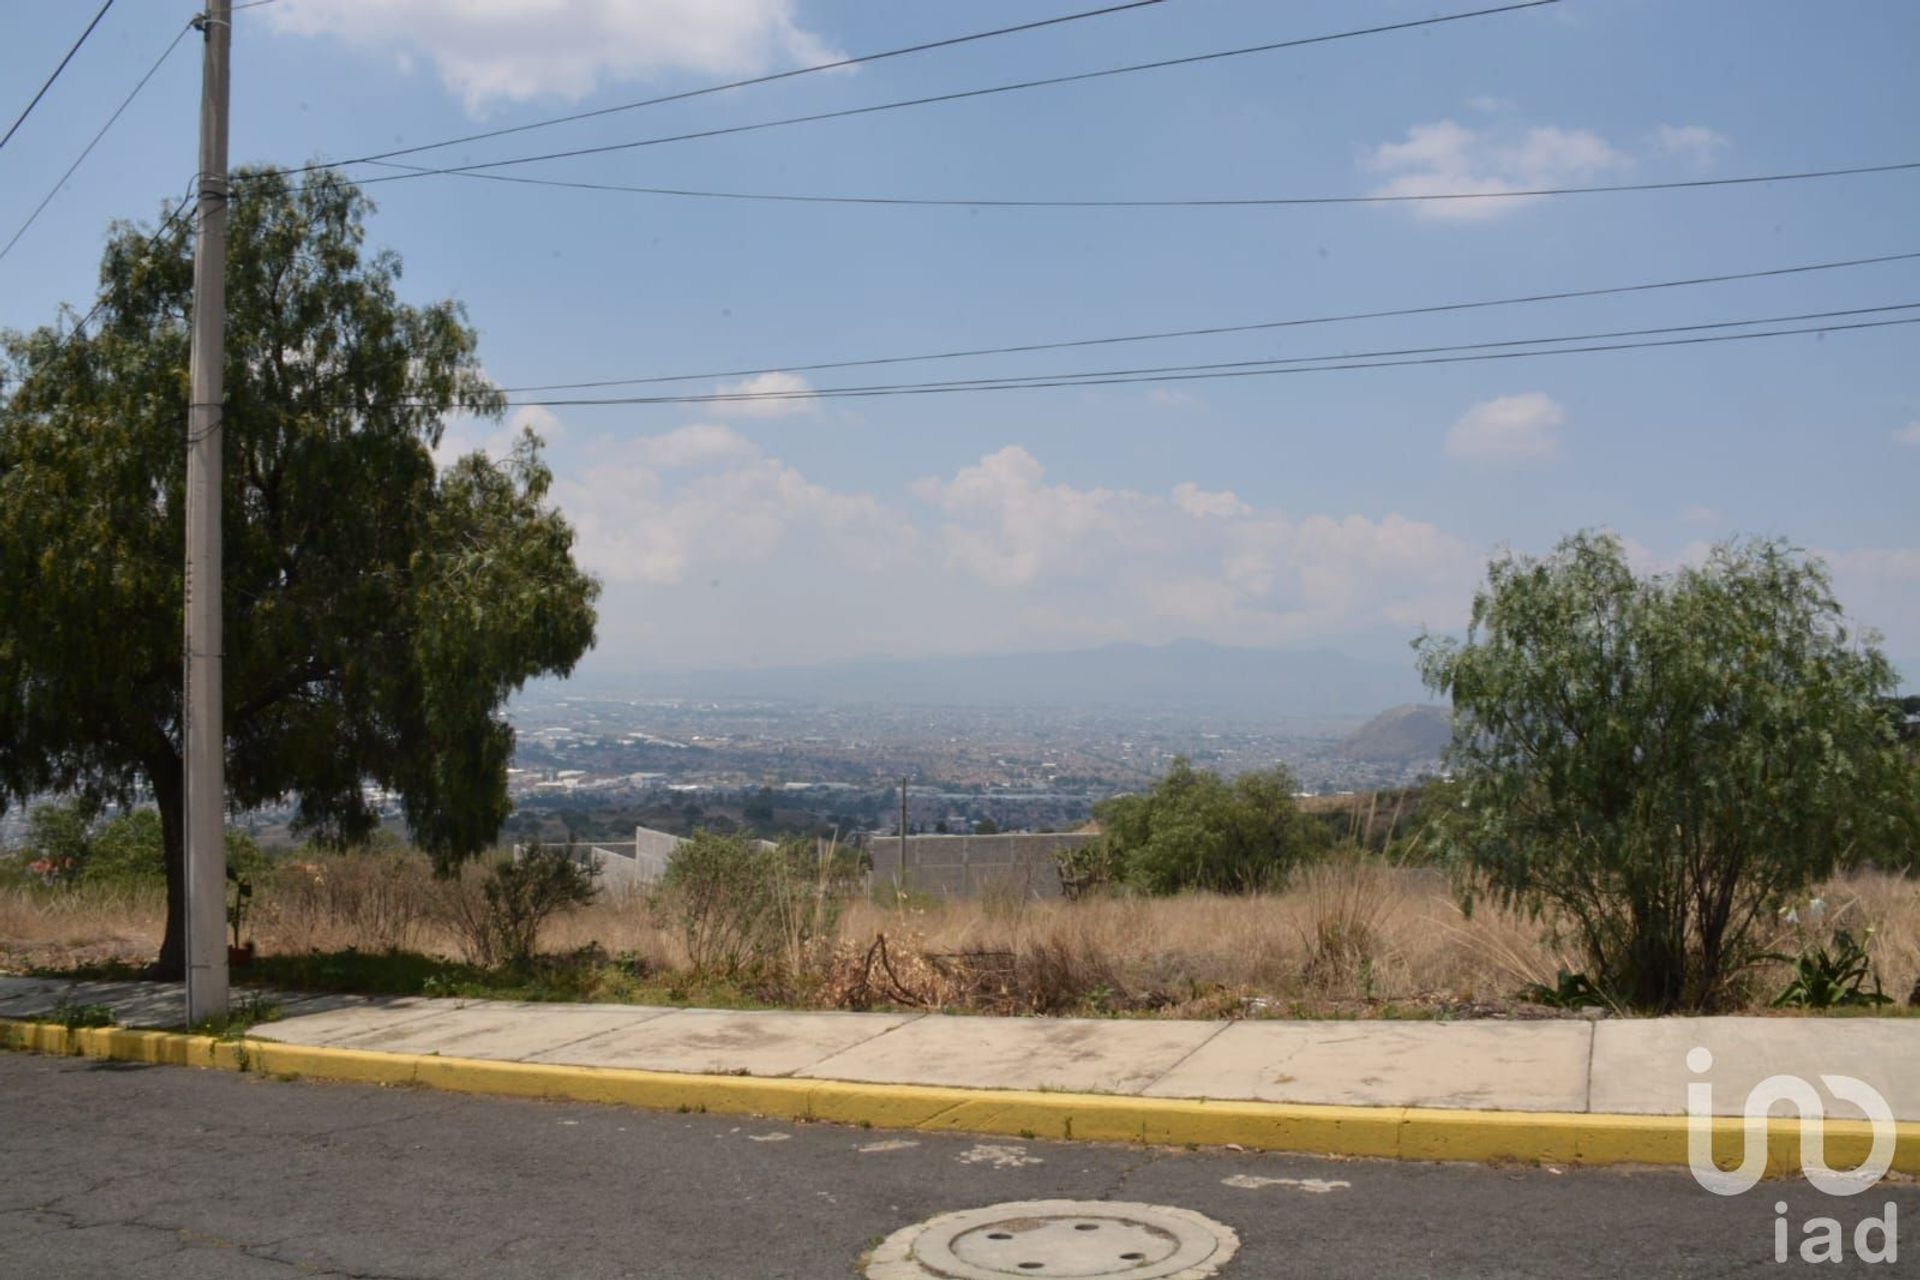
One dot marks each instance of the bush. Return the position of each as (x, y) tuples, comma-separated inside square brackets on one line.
[(1195, 831), (66, 844), (498, 911), (742, 904), (129, 851), (1661, 761), (1088, 870), (59, 841)]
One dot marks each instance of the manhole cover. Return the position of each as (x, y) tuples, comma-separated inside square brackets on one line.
[(1084, 1238)]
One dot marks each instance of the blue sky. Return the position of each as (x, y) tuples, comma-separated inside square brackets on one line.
[(1333, 509)]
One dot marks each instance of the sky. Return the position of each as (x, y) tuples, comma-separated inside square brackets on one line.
[(1329, 510)]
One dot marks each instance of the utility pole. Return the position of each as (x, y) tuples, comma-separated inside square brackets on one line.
[(903, 826), (205, 734)]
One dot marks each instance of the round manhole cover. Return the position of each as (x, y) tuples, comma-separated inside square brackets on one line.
[(1080, 1238)]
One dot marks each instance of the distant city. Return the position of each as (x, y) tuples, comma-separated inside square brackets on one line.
[(1011, 743)]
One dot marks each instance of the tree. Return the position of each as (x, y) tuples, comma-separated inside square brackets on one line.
[(378, 609), (1195, 831), (1665, 759)]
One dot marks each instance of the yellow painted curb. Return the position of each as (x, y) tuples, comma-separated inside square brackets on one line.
[(1406, 1133)]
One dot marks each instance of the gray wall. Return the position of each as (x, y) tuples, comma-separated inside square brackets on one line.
[(938, 866), (972, 866)]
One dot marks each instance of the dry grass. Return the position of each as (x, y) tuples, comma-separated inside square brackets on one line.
[(1350, 938)]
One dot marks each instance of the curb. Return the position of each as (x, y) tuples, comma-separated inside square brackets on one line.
[(1401, 1133)]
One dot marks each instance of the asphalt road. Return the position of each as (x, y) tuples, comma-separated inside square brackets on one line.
[(111, 1170)]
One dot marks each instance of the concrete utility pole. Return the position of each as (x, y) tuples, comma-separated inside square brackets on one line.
[(903, 826), (205, 733)]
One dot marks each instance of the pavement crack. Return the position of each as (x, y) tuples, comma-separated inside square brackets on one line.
[(1126, 1175), (1183, 1058)]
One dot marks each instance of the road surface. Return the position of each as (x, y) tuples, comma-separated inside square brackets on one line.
[(112, 1170)]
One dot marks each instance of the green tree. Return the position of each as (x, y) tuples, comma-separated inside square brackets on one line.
[(1665, 759), (1196, 831), (378, 609)]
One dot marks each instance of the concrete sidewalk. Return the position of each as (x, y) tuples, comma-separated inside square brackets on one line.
[(1574, 1066)]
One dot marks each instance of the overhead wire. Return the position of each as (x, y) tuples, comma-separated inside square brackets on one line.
[(1329, 365), (95, 140), (28, 109), (837, 64), (1181, 373), (1186, 202), (1561, 295), (955, 96)]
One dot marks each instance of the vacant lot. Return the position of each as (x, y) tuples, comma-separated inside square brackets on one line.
[(1352, 939)]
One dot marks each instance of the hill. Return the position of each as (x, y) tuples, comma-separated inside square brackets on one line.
[(1403, 735)]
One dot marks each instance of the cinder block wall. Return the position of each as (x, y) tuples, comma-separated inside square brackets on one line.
[(970, 866)]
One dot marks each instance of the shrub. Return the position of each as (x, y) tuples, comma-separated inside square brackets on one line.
[(720, 890), (1195, 831), (743, 904), (59, 841), (1833, 979), (497, 911), (813, 882), (129, 851), (1348, 901), (1089, 869), (1663, 760)]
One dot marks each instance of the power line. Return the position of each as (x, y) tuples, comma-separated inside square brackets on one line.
[(1321, 368), (1246, 368), (88, 149), (1243, 202), (1218, 330), (21, 119), (960, 95), (835, 65)]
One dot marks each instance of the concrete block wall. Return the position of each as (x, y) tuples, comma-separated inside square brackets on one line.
[(972, 866)]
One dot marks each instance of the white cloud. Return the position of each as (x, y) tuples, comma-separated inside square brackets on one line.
[(1171, 397), (716, 553), (639, 524), (466, 434), (1099, 563), (1198, 502), (1490, 103), (778, 384), (1446, 156), (1525, 427), (692, 446), (1703, 515), (1694, 142), (1008, 528), (1909, 434), (489, 51)]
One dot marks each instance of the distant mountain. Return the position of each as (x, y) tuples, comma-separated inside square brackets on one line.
[(1185, 676), (1403, 735)]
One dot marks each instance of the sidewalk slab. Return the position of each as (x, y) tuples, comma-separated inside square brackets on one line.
[(132, 1003), (1490, 1066), (1640, 1065), (721, 1042), (480, 1029), (1085, 1055)]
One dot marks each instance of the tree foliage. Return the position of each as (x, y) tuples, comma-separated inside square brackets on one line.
[(1197, 831), (378, 609), (1663, 759)]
